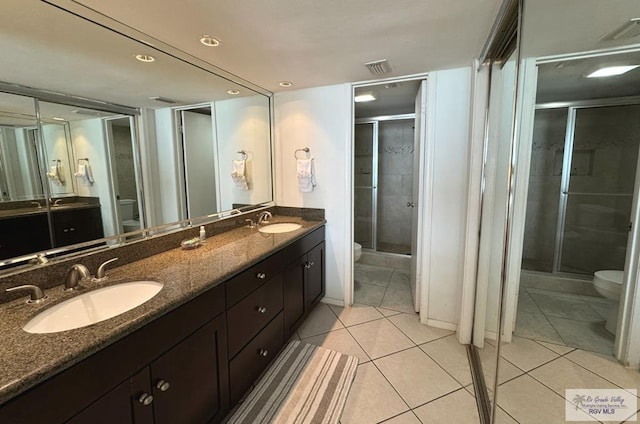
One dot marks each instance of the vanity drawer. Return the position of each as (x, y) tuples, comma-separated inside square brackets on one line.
[(249, 280), (253, 312), (303, 245), (246, 367)]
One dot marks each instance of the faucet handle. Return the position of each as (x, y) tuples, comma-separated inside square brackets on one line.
[(37, 295), (250, 224), (101, 274), (76, 273)]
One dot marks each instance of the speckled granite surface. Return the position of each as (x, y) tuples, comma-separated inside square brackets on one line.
[(28, 359)]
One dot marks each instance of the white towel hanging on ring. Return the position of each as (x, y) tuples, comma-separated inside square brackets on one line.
[(239, 174), (306, 175)]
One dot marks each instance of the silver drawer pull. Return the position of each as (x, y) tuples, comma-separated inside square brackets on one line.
[(308, 265), (145, 399), (263, 352), (261, 309), (163, 385), (261, 275)]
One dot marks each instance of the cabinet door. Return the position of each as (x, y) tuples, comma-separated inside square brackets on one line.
[(190, 381), (314, 281), (293, 295)]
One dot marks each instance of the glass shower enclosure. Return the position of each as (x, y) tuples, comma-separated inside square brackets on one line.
[(581, 188), (383, 182)]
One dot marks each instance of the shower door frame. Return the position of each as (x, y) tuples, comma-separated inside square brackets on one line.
[(375, 121), (572, 108)]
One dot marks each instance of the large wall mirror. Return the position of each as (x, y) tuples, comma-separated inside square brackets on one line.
[(565, 291), (105, 132)]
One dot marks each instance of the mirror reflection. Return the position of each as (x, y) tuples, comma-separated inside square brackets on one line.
[(157, 160)]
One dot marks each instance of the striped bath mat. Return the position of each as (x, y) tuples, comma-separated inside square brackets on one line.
[(306, 384)]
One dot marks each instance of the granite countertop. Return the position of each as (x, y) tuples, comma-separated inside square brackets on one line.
[(28, 359)]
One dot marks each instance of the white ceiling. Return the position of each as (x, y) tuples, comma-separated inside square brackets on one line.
[(314, 43)]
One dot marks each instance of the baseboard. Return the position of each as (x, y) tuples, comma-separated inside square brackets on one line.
[(442, 325)]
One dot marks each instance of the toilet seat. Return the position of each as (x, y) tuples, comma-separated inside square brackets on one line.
[(357, 251), (609, 282)]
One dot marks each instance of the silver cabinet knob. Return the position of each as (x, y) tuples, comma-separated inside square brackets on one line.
[(411, 204), (261, 275), (145, 399), (261, 309), (263, 352), (308, 265), (163, 385)]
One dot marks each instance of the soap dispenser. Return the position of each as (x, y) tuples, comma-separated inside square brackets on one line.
[(203, 235)]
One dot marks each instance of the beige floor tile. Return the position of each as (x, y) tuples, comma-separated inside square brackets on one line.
[(607, 367), (504, 418), (452, 356), (488, 359), (410, 325), (340, 341), (320, 320), (379, 338), (367, 294), (559, 349), (530, 402), (416, 377), (400, 279), (398, 300), (356, 314), (371, 398), (563, 374), (373, 275), (591, 336), (406, 418), (456, 408), (526, 354), (388, 312), (536, 326)]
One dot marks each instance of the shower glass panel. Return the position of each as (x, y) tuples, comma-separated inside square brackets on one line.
[(395, 186), (598, 191), (365, 180)]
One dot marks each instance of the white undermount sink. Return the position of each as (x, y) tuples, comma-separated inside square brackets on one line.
[(283, 227), (92, 307)]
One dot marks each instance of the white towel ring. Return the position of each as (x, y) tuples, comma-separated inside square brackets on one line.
[(306, 150)]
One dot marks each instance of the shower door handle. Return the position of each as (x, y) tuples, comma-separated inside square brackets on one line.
[(411, 205)]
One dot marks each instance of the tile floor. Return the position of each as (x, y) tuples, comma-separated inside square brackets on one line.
[(411, 374), (384, 287), (567, 319)]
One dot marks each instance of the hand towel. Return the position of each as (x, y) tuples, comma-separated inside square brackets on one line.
[(305, 173), (55, 175), (238, 175), (84, 174)]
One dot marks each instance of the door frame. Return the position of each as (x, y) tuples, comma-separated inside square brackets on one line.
[(425, 189)]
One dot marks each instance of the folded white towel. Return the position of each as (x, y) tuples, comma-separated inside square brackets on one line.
[(84, 174), (55, 175), (238, 175), (305, 173)]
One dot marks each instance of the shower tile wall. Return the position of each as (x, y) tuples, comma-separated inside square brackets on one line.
[(363, 193), (124, 162), (395, 185), (544, 189)]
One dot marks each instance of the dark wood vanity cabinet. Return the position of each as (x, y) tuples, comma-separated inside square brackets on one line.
[(23, 235), (194, 363), (73, 226), (304, 279)]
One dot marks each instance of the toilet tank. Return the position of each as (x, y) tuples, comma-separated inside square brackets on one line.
[(127, 209)]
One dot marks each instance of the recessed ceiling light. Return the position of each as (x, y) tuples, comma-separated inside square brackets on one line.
[(285, 84), (610, 71), (145, 58), (55, 118), (364, 98), (209, 41), (233, 92)]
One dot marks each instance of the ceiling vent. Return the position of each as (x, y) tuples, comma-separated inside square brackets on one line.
[(163, 100), (378, 67), (628, 30)]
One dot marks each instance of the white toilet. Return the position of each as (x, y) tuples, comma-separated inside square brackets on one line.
[(357, 251), (609, 284), (127, 214)]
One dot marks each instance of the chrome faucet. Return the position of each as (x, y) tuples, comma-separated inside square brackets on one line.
[(37, 295), (264, 217), (101, 273), (57, 202), (36, 204), (76, 273)]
